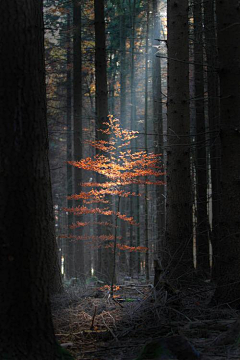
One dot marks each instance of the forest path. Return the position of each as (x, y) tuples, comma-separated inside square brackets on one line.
[(92, 326)]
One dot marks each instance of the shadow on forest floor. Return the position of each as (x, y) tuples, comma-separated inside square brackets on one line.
[(92, 326)]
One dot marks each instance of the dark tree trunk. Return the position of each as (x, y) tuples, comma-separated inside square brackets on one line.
[(123, 73), (213, 118), (158, 122), (104, 266), (132, 9), (123, 119), (69, 253), (179, 204), (228, 266), (101, 67), (112, 82), (146, 149), (202, 241), (77, 125), (26, 213)]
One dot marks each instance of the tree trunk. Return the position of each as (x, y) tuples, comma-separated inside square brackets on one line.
[(123, 119), (26, 213), (69, 253), (112, 82), (146, 147), (179, 206), (104, 265), (101, 68), (228, 266), (213, 118), (202, 242), (77, 120), (158, 122), (123, 72), (133, 120)]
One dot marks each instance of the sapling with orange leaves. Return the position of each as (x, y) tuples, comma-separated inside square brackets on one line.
[(120, 168)]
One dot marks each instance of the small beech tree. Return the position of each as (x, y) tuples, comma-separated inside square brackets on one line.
[(120, 168)]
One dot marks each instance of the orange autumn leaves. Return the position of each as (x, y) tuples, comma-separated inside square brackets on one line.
[(121, 167), (83, 210), (98, 196)]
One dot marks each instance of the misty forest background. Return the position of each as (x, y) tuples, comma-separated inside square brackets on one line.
[(119, 160), (116, 57)]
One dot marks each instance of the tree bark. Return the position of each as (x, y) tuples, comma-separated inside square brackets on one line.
[(104, 263), (69, 253), (228, 266), (179, 205), (123, 119), (77, 125), (123, 72), (202, 241), (146, 148), (101, 68), (132, 8), (26, 213), (213, 118), (158, 122)]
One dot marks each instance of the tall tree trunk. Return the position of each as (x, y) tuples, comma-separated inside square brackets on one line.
[(228, 267), (213, 116), (101, 68), (202, 242), (132, 8), (179, 205), (123, 71), (158, 122), (112, 82), (27, 234), (146, 146), (77, 125), (69, 253), (123, 119), (104, 266)]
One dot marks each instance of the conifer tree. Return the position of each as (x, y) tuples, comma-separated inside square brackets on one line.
[(228, 247), (177, 257), (202, 241), (28, 247)]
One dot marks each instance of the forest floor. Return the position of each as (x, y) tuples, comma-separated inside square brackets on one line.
[(92, 326)]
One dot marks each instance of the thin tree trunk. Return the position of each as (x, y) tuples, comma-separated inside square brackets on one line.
[(202, 241), (213, 116), (69, 254), (123, 118), (77, 120), (158, 123), (113, 277), (146, 145), (104, 265), (133, 118), (228, 265), (27, 235), (179, 205), (123, 72), (112, 83)]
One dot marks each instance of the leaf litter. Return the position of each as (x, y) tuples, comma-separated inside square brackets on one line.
[(94, 326)]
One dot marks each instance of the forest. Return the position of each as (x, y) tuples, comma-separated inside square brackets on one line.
[(120, 172)]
